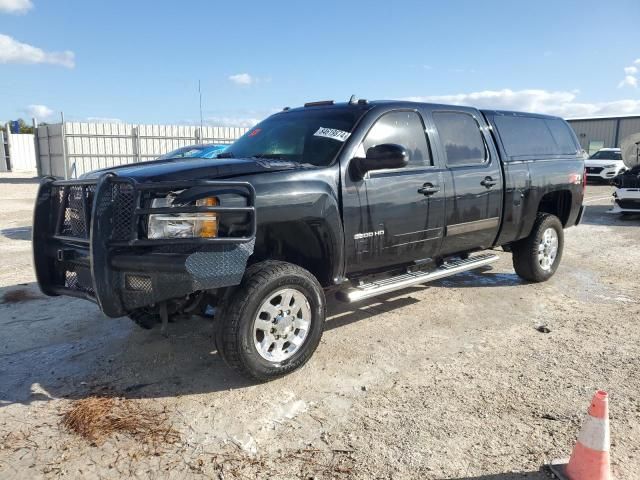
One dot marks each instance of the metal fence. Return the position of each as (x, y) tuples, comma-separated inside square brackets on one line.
[(70, 149), (17, 151), (4, 158), (22, 153)]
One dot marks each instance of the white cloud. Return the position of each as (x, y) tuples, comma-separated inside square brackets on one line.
[(13, 51), (562, 103), (628, 81), (630, 76), (231, 121), (41, 112), (242, 79), (15, 6)]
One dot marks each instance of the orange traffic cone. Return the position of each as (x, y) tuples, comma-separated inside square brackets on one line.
[(590, 457)]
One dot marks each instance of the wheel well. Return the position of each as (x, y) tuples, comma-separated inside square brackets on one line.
[(303, 244), (557, 203)]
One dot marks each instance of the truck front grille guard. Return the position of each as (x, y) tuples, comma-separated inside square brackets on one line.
[(77, 203), (99, 215)]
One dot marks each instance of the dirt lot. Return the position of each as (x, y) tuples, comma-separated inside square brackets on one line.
[(447, 381)]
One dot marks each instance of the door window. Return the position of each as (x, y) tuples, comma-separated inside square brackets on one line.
[(460, 134), (402, 128)]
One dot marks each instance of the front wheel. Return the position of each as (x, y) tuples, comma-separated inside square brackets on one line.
[(536, 258), (273, 322)]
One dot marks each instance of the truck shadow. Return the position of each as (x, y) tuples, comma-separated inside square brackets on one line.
[(60, 347), (19, 180), (17, 233), (597, 215), (483, 277)]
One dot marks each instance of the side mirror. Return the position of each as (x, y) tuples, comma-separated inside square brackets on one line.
[(381, 157)]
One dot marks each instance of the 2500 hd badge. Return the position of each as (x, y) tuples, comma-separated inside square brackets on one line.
[(359, 236)]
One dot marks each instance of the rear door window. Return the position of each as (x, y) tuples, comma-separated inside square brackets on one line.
[(461, 138), (402, 128)]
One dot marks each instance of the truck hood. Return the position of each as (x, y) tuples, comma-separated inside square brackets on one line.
[(200, 168)]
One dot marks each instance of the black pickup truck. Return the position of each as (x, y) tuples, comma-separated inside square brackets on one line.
[(350, 199)]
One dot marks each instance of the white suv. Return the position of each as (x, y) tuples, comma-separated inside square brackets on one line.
[(605, 164)]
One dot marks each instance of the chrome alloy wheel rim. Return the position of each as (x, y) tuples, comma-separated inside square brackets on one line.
[(548, 249), (282, 325)]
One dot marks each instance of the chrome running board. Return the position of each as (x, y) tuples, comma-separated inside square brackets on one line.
[(378, 287)]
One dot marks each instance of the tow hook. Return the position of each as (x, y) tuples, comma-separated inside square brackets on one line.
[(65, 254)]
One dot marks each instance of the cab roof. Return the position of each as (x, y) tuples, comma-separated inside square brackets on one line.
[(364, 105)]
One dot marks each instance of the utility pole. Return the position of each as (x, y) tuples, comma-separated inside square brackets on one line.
[(200, 95)]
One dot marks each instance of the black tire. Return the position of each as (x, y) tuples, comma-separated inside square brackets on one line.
[(235, 334), (525, 251)]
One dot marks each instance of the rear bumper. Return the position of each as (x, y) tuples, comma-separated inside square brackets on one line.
[(87, 243)]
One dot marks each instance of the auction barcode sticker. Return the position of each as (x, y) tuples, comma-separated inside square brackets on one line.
[(333, 133)]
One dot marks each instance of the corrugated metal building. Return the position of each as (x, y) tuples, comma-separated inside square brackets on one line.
[(603, 132)]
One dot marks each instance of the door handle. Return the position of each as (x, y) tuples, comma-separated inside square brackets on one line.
[(429, 189), (488, 182)]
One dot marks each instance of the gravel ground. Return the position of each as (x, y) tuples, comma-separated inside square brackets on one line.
[(450, 380)]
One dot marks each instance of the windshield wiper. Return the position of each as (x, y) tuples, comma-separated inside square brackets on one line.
[(226, 155), (268, 156)]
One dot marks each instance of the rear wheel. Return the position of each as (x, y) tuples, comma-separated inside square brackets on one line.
[(536, 258), (273, 322)]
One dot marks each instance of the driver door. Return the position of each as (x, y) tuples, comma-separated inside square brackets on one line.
[(400, 214)]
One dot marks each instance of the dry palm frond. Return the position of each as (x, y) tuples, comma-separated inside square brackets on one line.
[(95, 418)]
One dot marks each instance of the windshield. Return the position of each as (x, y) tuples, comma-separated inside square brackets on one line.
[(606, 155), (194, 151), (309, 136)]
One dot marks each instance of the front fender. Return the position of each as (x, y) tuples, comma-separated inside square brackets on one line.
[(299, 221)]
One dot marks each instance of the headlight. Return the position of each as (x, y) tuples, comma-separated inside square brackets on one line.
[(610, 166), (183, 225)]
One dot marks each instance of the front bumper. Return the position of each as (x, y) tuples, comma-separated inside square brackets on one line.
[(87, 243), (626, 200), (594, 173)]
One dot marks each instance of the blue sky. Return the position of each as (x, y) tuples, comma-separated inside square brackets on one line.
[(140, 61)]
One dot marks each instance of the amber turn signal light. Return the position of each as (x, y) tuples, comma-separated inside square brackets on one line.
[(209, 226)]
